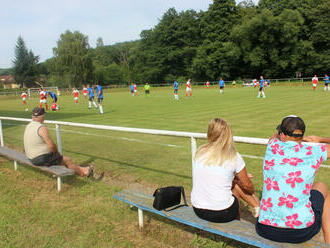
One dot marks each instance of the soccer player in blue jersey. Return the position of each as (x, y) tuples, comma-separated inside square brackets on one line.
[(131, 87), (53, 96), (261, 87), (99, 93), (90, 91), (326, 82), (176, 88), (221, 85)]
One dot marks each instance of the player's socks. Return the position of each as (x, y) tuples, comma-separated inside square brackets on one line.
[(313, 87), (40, 105), (94, 104), (46, 106), (89, 105), (101, 109), (263, 94)]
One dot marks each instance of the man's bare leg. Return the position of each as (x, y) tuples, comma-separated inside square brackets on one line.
[(81, 171)]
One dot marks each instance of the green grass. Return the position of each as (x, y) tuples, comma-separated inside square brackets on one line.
[(84, 214)]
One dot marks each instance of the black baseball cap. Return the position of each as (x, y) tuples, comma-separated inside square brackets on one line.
[(292, 126), (38, 111)]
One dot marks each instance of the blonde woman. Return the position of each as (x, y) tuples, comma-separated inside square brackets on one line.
[(220, 178)]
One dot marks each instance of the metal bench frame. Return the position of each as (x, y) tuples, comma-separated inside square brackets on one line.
[(58, 171)]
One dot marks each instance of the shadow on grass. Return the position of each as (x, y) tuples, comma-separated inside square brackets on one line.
[(93, 157)]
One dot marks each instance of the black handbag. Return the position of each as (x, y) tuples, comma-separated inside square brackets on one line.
[(169, 197)]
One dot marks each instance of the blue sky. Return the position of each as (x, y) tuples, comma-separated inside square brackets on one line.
[(40, 22)]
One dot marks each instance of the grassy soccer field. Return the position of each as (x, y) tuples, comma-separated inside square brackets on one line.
[(32, 213)]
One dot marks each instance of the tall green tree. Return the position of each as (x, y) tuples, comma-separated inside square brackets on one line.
[(72, 60), (216, 23), (25, 71)]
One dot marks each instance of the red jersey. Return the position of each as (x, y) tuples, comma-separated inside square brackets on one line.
[(23, 95), (54, 106), (42, 95), (85, 90), (188, 85), (75, 93), (315, 80)]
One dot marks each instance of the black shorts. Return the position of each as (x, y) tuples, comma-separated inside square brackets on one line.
[(290, 235), (221, 216), (175, 91), (261, 88), (91, 98), (47, 159), (99, 100), (147, 91), (326, 84), (221, 87), (132, 91)]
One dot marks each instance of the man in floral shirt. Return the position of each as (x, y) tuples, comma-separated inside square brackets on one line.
[(293, 208)]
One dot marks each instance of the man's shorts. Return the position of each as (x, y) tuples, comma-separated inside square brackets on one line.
[(85, 94), (188, 89), (147, 92), (48, 159), (132, 91), (24, 99), (314, 85), (175, 91), (261, 88), (221, 87), (91, 98), (326, 84), (99, 100), (75, 98), (290, 235), (43, 101)]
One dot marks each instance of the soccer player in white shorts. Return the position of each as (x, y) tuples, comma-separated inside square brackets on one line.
[(315, 80), (188, 87)]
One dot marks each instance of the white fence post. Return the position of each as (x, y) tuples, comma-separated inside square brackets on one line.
[(1, 134), (58, 136), (193, 148)]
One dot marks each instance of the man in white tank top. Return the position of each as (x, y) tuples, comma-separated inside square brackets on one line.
[(40, 148)]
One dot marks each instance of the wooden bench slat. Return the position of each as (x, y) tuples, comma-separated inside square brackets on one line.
[(57, 170), (238, 230)]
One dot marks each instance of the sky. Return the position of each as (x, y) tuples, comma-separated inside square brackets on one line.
[(41, 22)]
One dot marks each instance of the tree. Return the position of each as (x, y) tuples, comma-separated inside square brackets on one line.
[(99, 42), (72, 60), (25, 71)]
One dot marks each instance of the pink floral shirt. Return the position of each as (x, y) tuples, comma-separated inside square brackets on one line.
[(289, 171)]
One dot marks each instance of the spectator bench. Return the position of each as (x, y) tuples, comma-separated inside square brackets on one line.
[(241, 231), (58, 171)]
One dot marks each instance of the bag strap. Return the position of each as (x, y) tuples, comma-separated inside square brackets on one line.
[(184, 197), (181, 205)]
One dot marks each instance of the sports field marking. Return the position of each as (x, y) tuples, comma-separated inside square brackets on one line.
[(140, 141)]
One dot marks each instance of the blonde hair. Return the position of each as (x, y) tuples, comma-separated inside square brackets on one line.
[(220, 146)]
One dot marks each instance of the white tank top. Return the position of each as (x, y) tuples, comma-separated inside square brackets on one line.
[(34, 145)]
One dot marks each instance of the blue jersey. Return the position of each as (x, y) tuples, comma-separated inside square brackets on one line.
[(261, 83), (99, 91), (131, 87), (176, 85), (326, 79), (90, 91), (53, 95), (221, 83)]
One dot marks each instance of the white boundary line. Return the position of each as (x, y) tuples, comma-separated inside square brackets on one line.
[(141, 141)]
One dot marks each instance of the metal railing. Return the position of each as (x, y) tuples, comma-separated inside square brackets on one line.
[(193, 136)]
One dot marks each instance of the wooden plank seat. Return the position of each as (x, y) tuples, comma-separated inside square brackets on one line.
[(241, 231), (56, 170)]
